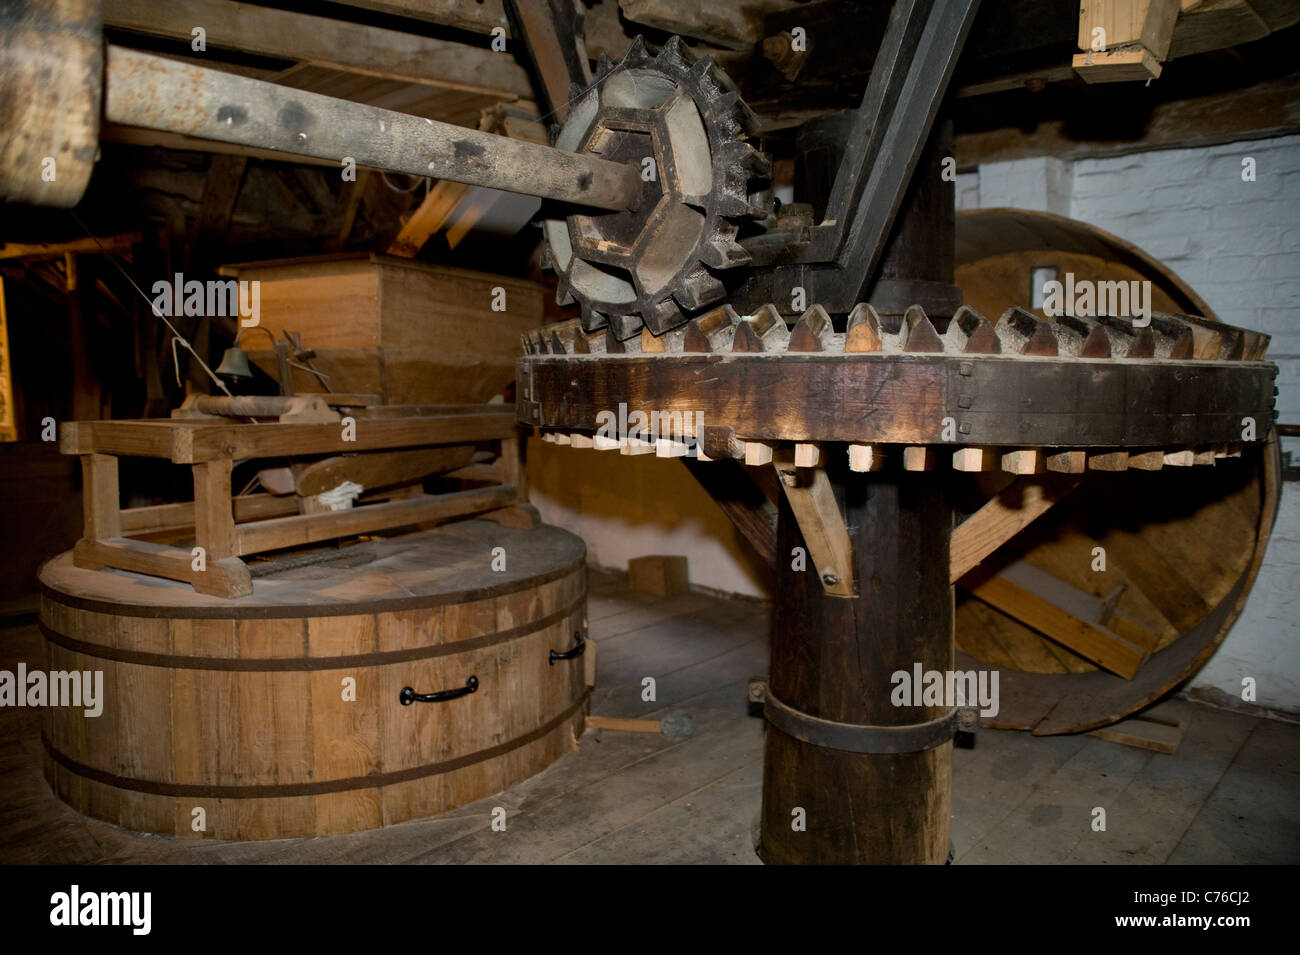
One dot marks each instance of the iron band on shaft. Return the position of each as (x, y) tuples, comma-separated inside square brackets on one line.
[(860, 738)]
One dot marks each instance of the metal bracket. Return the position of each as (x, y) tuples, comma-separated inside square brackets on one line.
[(861, 738)]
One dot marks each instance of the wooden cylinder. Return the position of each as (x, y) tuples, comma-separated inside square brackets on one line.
[(833, 658), (281, 714)]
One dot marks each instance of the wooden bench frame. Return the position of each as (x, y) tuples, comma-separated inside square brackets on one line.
[(229, 528)]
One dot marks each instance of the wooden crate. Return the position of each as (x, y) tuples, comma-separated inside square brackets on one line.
[(410, 333), (660, 575)]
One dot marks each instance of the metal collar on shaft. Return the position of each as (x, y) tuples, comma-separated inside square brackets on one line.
[(860, 738)]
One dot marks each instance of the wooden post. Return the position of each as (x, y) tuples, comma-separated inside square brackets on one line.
[(101, 504), (833, 658), (214, 516)]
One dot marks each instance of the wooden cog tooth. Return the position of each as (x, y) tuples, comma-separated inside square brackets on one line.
[(1180, 459), (1023, 461), (812, 333), (712, 332), (1108, 461), (1023, 333), (1067, 462), (764, 331), (1173, 338), (920, 458), (1071, 332), (757, 453), (579, 440), (1147, 460), (918, 334), (971, 333), (650, 344), (865, 457), (806, 455), (863, 330), (972, 459)]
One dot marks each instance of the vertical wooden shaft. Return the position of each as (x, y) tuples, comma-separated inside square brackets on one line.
[(833, 658)]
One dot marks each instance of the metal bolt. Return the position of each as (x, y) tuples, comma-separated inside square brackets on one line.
[(829, 579)]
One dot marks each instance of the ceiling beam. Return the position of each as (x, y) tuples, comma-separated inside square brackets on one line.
[(346, 46)]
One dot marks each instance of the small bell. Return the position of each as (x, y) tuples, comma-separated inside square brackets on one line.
[(234, 364)]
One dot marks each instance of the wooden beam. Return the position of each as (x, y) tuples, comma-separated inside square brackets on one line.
[(733, 26), (324, 41), (1265, 110), (186, 442), (303, 529), (224, 577), (377, 469), (1091, 642), (749, 509), (1001, 519), (220, 191), (812, 499), (476, 16), (114, 244), (162, 518), (1146, 22)]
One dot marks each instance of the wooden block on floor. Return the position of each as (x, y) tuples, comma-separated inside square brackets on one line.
[(658, 574), (1159, 728)]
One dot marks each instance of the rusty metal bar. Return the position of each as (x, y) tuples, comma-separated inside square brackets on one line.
[(156, 93)]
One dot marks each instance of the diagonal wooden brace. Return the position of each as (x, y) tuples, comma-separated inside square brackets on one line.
[(821, 522)]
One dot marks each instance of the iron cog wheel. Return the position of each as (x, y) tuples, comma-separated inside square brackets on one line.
[(683, 122)]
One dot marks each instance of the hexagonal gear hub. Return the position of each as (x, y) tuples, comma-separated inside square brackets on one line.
[(683, 124)]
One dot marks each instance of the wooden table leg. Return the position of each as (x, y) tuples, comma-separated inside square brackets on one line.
[(224, 574), (101, 506)]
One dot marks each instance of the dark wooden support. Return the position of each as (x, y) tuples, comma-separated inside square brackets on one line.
[(841, 785), (744, 502), (832, 659)]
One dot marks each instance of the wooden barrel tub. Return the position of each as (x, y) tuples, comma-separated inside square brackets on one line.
[(281, 714), (1184, 543)]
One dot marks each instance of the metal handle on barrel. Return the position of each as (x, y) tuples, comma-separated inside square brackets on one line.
[(579, 647), (409, 696)]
